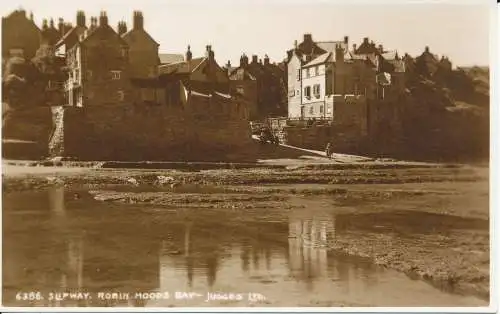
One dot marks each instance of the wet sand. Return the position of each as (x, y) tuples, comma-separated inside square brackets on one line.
[(427, 222)]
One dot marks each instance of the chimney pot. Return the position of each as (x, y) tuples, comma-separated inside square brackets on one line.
[(307, 38), (426, 48), (365, 40), (103, 19), (44, 24), (354, 47), (346, 40), (80, 18), (266, 60), (138, 20), (122, 28), (189, 55), (254, 59)]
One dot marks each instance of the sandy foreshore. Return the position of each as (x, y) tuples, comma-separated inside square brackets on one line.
[(428, 221)]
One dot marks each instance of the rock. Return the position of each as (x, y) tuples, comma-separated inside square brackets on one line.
[(132, 181)]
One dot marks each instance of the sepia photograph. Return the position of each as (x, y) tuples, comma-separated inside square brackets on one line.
[(247, 154)]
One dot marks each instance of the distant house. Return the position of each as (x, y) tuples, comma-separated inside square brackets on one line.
[(182, 82), (20, 35), (143, 49), (261, 85), (320, 77), (72, 35), (98, 66)]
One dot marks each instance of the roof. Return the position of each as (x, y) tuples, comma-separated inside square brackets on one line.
[(100, 29), (389, 55), (167, 58), (181, 67), (240, 74), (136, 31), (324, 58), (330, 46), (17, 14), (77, 31)]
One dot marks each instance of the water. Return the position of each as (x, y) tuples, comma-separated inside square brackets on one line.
[(57, 241)]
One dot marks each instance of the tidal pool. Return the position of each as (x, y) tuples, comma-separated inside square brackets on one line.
[(63, 248)]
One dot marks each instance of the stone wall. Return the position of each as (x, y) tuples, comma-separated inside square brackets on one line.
[(201, 131)]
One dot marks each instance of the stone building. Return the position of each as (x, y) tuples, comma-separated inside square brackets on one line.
[(180, 82), (98, 64), (20, 35), (143, 49), (260, 85)]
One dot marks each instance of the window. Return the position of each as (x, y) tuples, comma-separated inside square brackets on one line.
[(77, 75), (124, 52), (291, 93), (311, 110), (316, 70), (121, 95), (316, 90), (308, 73), (16, 52), (307, 92), (298, 75), (240, 90), (321, 109), (115, 75), (297, 92)]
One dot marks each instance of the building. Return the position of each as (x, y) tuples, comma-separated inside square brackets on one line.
[(322, 79), (261, 85), (20, 35), (98, 64), (143, 49)]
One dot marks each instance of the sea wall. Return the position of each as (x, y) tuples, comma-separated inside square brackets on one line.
[(204, 130)]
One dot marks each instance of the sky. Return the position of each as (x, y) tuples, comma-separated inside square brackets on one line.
[(456, 29)]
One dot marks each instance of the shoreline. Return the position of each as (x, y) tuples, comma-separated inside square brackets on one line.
[(425, 256)]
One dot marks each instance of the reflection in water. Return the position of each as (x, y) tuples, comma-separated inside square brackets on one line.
[(107, 248)]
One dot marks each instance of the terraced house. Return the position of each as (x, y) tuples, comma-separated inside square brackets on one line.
[(328, 80)]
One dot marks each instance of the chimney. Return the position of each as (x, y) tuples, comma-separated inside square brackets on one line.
[(138, 20), (211, 54), (427, 49), (44, 24), (80, 19), (122, 28), (189, 55), (365, 40), (228, 65), (295, 45), (339, 53), (346, 40), (243, 61), (60, 26), (207, 51), (380, 48), (266, 60), (52, 23), (103, 19), (31, 16), (354, 48), (254, 59), (289, 54), (93, 22), (307, 38)]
